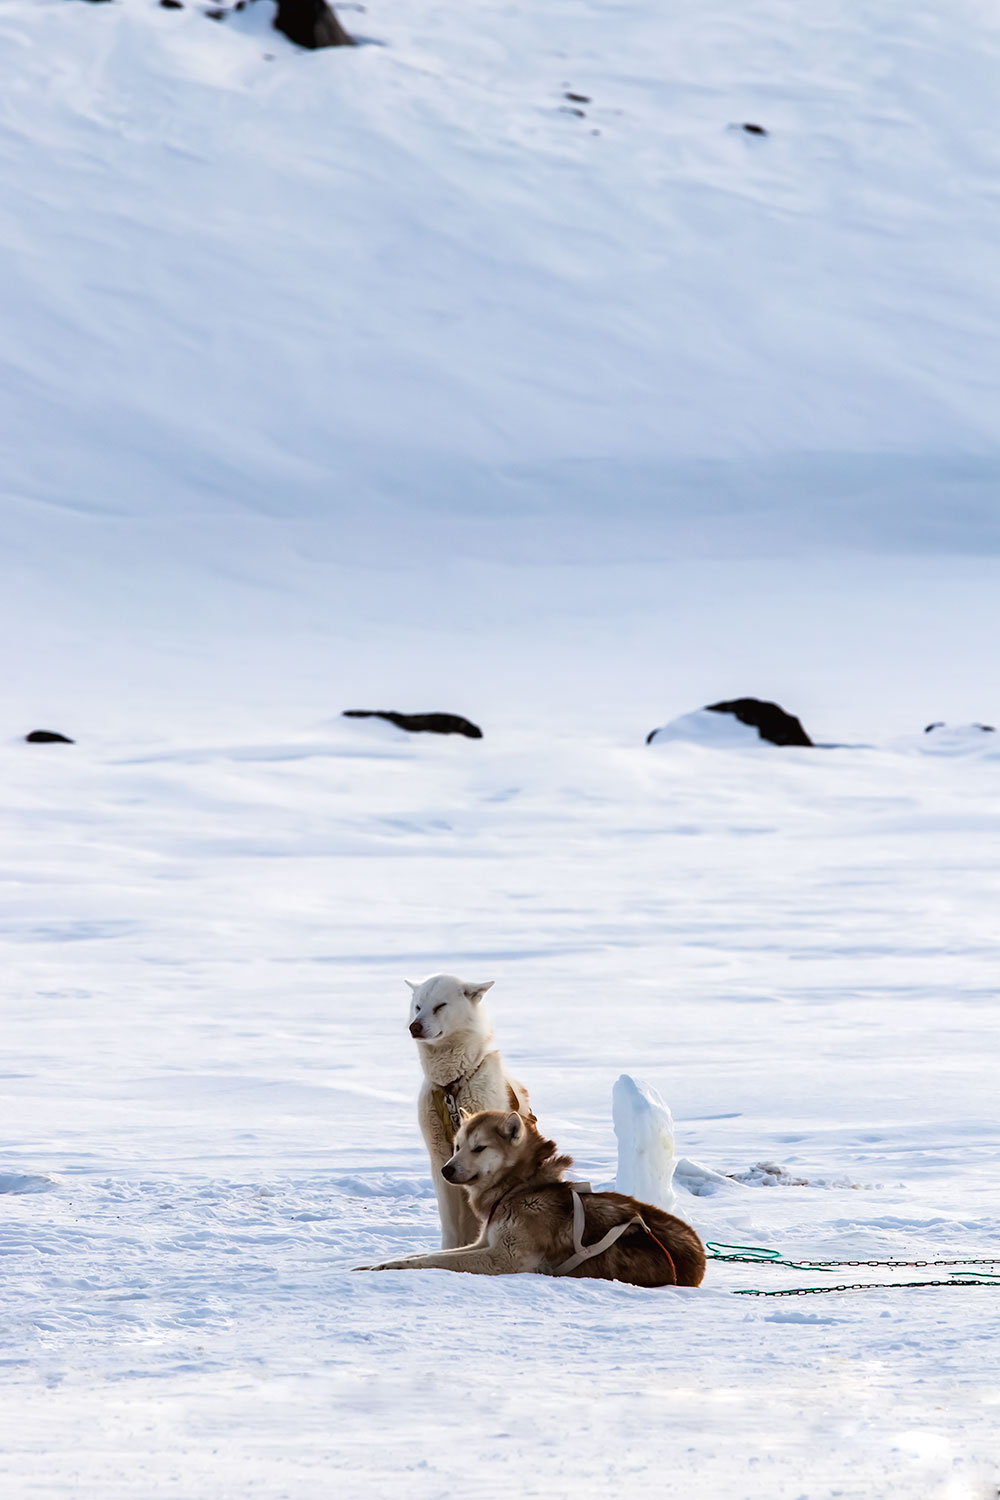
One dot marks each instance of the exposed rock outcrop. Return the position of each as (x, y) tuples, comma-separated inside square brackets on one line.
[(770, 721), (420, 723), (310, 23)]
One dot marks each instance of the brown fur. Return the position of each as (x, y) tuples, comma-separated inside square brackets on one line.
[(514, 1181)]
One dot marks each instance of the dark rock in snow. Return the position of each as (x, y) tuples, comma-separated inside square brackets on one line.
[(754, 129), (310, 23), (770, 721), (172, 4), (420, 723), (577, 98), (47, 737)]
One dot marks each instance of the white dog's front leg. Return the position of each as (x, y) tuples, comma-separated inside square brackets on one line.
[(459, 1225)]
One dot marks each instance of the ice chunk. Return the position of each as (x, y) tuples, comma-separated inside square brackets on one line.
[(645, 1131)]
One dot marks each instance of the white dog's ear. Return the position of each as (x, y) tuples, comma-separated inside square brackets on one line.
[(411, 984), (475, 992), (510, 1129)]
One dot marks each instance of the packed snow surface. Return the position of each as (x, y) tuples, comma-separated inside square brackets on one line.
[(384, 378)]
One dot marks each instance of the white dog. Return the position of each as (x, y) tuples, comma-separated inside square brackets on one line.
[(463, 1073)]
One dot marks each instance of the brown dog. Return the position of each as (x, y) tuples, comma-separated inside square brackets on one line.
[(533, 1221)]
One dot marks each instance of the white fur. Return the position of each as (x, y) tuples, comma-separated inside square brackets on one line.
[(457, 1044)]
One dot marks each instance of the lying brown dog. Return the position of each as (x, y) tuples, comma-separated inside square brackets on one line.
[(533, 1221)]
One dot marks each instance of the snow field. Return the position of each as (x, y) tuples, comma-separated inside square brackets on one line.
[(213, 1091)]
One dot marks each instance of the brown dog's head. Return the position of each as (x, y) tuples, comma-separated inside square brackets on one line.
[(487, 1145), (497, 1151)]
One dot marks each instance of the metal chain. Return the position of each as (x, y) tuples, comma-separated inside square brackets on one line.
[(761, 1255), (861, 1286), (816, 1265)]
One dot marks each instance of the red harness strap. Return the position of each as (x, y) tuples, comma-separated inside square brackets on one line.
[(663, 1247)]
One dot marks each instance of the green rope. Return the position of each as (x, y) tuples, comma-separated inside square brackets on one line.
[(751, 1253), (756, 1255)]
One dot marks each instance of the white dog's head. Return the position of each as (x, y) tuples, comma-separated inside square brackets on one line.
[(444, 1006)]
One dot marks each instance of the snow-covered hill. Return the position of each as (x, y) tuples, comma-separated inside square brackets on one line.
[(274, 320), (244, 278), (383, 378)]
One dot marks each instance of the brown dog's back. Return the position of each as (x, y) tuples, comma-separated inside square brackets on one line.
[(667, 1252), (671, 1237)]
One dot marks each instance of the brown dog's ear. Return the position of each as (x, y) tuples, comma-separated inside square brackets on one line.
[(510, 1129), (465, 1114)]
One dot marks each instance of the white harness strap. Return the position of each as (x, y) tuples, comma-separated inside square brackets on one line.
[(584, 1252)]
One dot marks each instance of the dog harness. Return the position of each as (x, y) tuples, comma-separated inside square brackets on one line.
[(582, 1252), (449, 1111)]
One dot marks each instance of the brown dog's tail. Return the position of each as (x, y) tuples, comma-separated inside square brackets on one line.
[(679, 1243)]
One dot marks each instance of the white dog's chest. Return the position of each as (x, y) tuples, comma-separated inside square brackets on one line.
[(441, 1104), (450, 1099)]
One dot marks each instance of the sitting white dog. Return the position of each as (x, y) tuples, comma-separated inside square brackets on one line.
[(463, 1073)]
